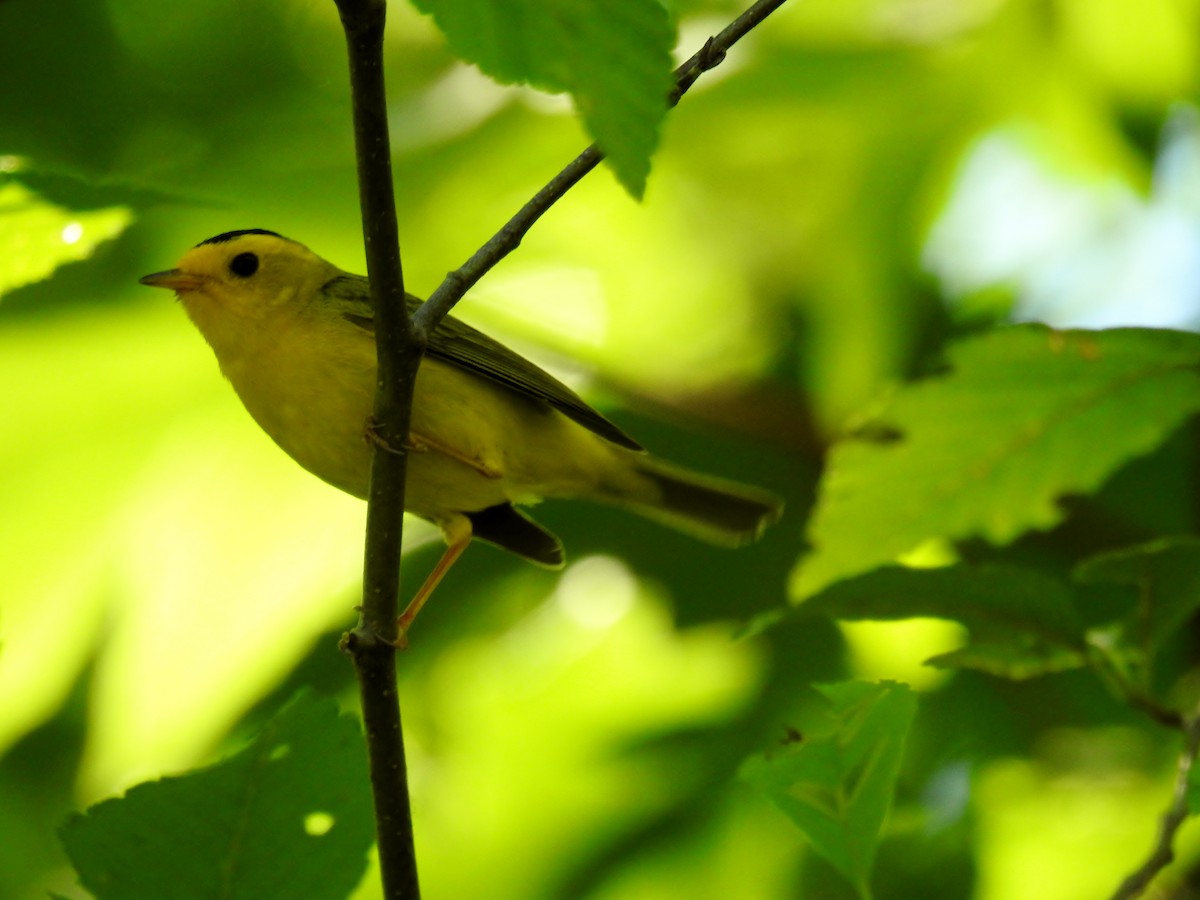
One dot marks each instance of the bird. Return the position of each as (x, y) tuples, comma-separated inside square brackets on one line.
[(491, 431)]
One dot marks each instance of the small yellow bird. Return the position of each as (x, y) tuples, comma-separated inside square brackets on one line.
[(490, 430)]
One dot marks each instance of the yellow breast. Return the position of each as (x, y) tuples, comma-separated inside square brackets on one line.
[(475, 443)]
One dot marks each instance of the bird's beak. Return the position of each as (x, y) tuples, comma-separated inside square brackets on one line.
[(174, 280)]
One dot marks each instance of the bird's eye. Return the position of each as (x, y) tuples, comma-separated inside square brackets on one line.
[(244, 265)]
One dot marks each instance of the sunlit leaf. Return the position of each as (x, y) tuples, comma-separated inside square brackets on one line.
[(837, 786), (613, 56), (1025, 416), (37, 237), (288, 816)]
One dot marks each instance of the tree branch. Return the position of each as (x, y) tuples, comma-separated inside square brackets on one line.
[(1163, 852), (400, 343), (399, 350), (508, 238), (1115, 678)]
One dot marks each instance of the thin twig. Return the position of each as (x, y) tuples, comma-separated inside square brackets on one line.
[(1114, 677), (1163, 853), (399, 353), (508, 238)]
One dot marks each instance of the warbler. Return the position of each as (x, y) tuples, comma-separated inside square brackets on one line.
[(490, 431)]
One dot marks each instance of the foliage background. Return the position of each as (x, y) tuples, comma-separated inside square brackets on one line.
[(859, 181)]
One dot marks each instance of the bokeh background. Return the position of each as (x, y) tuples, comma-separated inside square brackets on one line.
[(860, 179)]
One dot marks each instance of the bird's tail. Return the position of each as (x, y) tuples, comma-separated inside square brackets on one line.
[(712, 509)]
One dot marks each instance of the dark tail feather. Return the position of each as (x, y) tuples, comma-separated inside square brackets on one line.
[(721, 512), (514, 531)]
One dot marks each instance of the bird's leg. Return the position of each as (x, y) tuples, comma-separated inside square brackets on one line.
[(418, 443), (458, 536)]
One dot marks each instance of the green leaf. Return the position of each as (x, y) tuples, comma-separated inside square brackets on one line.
[(286, 817), (37, 237), (989, 600), (1023, 623), (837, 786), (613, 56), (1166, 574), (1016, 658), (1026, 416)]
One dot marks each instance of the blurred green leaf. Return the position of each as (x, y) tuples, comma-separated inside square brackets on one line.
[(37, 237), (1166, 574), (1022, 622), (288, 816), (788, 231), (837, 786), (987, 599), (613, 56), (1026, 416), (1017, 658)]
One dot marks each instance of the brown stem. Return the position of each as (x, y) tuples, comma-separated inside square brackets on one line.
[(1163, 852), (399, 353)]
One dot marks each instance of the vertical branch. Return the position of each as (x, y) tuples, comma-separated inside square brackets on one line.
[(399, 354), (400, 342)]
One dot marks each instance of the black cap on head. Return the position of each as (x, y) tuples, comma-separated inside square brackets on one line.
[(230, 235)]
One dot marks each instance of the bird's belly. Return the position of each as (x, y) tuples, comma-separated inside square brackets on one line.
[(475, 444), (439, 486), (320, 424)]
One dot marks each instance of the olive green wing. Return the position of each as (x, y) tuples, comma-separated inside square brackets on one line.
[(458, 343)]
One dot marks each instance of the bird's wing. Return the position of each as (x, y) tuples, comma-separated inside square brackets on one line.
[(456, 342)]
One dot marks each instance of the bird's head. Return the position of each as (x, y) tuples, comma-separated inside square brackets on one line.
[(240, 281)]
